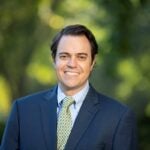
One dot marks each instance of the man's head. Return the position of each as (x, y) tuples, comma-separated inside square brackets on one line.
[(75, 30), (73, 50)]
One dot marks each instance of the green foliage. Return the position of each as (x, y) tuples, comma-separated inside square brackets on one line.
[(122, 31), (2, 125)]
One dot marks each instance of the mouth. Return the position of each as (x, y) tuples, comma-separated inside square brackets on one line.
[(71, 73)]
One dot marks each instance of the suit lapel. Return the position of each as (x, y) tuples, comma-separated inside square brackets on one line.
[(49, 119), (84, 118)]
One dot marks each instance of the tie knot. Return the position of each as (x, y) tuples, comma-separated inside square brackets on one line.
[(67, 102)]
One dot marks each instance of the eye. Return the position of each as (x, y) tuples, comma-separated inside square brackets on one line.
[(82, 57), (63, 56)]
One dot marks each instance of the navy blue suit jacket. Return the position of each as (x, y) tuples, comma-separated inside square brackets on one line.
[(102, 124)]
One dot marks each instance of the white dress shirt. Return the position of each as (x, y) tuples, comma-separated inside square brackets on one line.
[(78, 97)]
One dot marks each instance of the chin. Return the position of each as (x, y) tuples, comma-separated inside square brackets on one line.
[(73, 86), (69, 86)]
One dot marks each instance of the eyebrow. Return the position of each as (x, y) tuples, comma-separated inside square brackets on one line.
[(75, 54), (63, 53), (82, 54)]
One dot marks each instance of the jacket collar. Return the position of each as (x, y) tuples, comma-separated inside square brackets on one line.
[(48, 109), (86, 114)]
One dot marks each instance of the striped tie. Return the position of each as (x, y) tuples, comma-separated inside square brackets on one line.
[(64, 123)]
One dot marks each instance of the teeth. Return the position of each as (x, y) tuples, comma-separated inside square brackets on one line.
[(71, 73)]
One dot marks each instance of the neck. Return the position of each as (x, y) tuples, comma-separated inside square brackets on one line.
[(71, 91)]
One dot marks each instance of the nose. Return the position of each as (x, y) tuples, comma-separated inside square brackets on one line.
[(72, 62)]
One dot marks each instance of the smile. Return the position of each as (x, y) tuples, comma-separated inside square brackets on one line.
[(71, 73)]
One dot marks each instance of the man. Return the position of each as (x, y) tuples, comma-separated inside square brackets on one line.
[(91, 122)]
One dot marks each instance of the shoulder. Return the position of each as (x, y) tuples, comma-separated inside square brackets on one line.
[(113, 109), (108, 103), (36, 97), (31, 103)]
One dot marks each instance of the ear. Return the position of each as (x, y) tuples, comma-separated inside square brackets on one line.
[(52, 60), (93, 63)]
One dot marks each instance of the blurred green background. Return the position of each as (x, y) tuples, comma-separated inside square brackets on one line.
[(121, 29)]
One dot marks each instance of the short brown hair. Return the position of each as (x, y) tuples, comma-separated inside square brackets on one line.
[(75, 30)]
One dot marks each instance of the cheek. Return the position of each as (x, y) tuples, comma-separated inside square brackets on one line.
[(59, 67), (88, 67), (56, 63)]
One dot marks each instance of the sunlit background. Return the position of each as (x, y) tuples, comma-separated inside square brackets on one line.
[(122, 70)]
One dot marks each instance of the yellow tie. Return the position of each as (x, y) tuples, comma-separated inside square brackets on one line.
[(64, 123)]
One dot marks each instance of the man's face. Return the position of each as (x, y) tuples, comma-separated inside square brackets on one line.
[(73, 63)]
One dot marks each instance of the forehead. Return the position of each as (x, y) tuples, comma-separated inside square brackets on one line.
[(72, 44)]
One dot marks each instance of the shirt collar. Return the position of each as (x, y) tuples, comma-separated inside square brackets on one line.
[(78, 97)]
